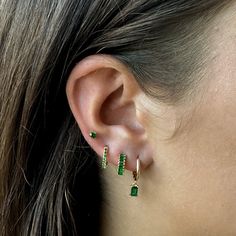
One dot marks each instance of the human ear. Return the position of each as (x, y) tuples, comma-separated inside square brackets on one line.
[(102, 94)]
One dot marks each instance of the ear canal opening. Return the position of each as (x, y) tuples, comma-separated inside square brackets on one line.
[(115, 112)]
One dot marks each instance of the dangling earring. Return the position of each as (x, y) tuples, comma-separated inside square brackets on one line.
[(136, 174), (104, 157)]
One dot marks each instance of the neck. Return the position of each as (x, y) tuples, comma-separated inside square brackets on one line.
[(126, 215)]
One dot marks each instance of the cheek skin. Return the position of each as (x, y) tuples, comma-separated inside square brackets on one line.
[(191, 188), (199, 183), (196, 173)]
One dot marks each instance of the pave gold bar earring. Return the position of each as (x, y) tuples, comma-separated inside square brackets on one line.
[(93, 134), (136, 174), (104, 157), (121, 164)]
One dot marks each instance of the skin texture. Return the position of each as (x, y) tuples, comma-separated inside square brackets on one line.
[(188, 181)]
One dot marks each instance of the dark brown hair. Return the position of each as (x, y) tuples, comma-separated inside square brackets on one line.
[(48, 175)]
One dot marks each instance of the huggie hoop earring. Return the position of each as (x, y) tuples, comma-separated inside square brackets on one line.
[(136, 175), (104, 157), (121, 164)]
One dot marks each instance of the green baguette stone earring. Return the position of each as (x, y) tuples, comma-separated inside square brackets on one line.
[(134, 186), (121, 164), (93, 134), (134, 190), (104, 157)]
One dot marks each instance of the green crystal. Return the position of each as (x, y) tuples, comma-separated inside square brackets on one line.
[(93, 134), (122, 157), (121, 166), (104, 158), (120, 171), (104, 164), (134, 191)]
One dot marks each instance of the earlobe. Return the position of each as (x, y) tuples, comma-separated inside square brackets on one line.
[(101, 93)]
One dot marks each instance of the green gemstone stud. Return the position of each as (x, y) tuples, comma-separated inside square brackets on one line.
[(104, 157), (134, 186), (93, 134), (121, 164)]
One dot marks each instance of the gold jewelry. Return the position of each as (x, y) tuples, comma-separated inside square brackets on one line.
[(104, 157), (121, 164), (136, 174), (93, 134)]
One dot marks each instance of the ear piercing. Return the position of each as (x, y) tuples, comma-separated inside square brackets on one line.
[(104, 157), (136, 174), (93, 134), (121, 164)]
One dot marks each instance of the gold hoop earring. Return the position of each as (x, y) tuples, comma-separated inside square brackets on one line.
[(136, 175), (104, 157), (121, 164)]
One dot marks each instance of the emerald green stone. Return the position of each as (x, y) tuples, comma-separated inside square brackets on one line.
[(134, 191), (104, 163), (120, 171), (93, 134), (121, 165), (104, 158), (122, 157)]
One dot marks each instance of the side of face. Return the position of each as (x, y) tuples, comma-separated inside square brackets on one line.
[(188, 181), (195, 170)]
